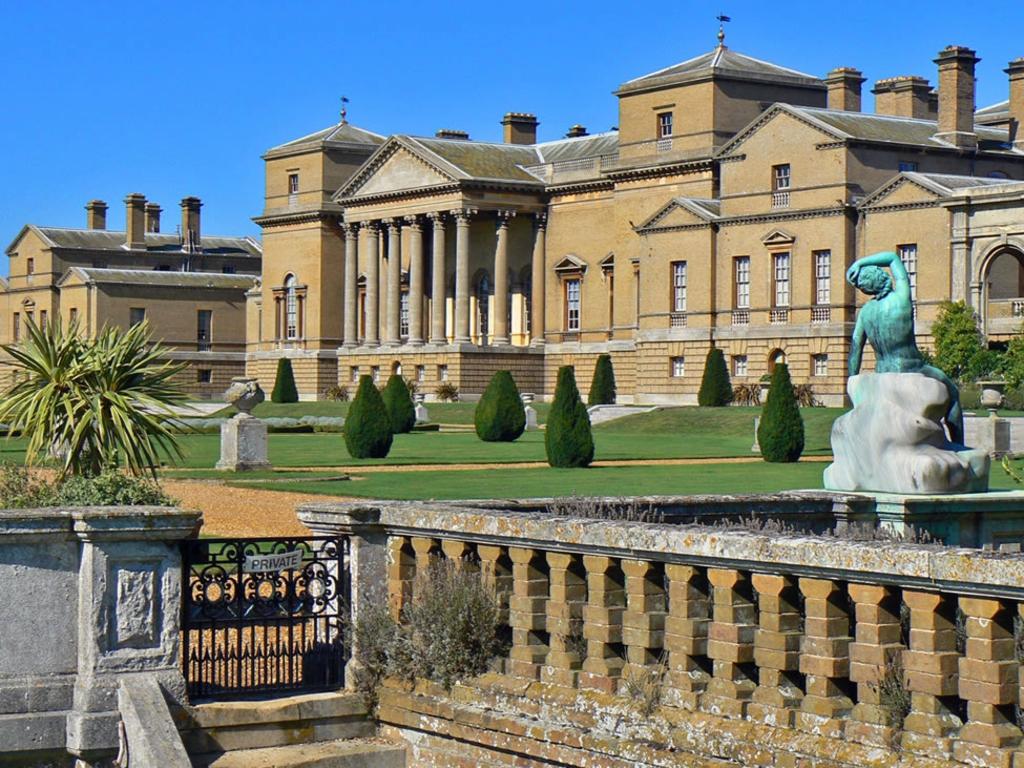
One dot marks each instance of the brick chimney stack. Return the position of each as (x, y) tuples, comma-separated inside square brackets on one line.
[(135, 218), (956, 96), (452, 133), (153, 217), (576, 131), (1016, 73), (903, 96), (190, 233), (519, 128), (844, 85), (96, 214)]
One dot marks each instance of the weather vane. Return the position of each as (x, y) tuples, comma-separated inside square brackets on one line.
[(344, 111), (722, 19)]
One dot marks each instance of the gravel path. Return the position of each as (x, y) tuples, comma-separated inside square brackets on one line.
[(241, 511)]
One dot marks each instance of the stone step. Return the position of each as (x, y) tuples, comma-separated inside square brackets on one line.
[(294, 720), (600, 414), (352, 753)]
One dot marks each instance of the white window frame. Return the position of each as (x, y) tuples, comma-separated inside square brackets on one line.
[(739, 365), (291, 308), (354, 369), (403, 314), (819, 365), (678, 286), (677, 367), (781, 271), (442, 372), (665, 125), (573, 304), (293, 183), (741, 270), (782, 177), (908, 255), (822, 277)]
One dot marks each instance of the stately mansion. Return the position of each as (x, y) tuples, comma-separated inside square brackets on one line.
[(722, 211)]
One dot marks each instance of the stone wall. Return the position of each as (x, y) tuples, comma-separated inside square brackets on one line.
[(88, 596), (766, 649)]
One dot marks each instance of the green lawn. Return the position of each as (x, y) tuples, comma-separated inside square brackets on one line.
[(512, 483), (440, 413), (666, 434)]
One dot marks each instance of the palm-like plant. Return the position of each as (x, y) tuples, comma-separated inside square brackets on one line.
[(99, 403)]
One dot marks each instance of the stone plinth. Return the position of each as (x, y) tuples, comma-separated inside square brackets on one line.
[(893, 441), (422, 417), (530, 411), (243, 444)]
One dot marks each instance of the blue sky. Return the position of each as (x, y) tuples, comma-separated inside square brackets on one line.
[(181, 98)]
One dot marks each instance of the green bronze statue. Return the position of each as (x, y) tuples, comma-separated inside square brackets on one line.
[(887, 322)]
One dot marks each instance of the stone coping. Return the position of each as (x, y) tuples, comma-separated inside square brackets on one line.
[(99, 523), (967, 571)]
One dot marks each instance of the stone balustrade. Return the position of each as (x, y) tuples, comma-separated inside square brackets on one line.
[(849, 653)]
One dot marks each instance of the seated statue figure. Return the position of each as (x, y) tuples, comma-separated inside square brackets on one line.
[(887, 322)]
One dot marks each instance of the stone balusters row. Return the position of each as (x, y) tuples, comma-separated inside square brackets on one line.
[(381, 242), (939, 675)]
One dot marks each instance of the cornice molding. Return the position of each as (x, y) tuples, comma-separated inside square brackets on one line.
[(651, 171), (807, 213), (298, 217)]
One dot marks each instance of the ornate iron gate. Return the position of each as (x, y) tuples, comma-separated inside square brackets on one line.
[(264, 615)]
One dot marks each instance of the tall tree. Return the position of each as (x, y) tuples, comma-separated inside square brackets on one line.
[(715, 386), (567, 437), (781, 430), (367, 425), (602, 387)]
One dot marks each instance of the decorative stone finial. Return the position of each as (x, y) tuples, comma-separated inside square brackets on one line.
[(245, 394)]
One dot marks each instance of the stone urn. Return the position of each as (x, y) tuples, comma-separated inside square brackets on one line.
[(245, 394), (531, 413), (992, 395)]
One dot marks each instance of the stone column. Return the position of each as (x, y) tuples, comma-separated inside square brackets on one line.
[(351, 331), (776, 651), (462, 222), (412, 223), (392, 332), (875, 656), (372, 229), (931, 669), (686, 636), (643, 621), (500, 334), (129, 593), (539, 271), (602, 624), (382, 288), (988, 683), (439, 278), (401, 572), (824, 659), (731, 644), (566, 596), (527, 612)]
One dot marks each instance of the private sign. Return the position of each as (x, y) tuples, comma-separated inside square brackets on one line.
[(281, 561)]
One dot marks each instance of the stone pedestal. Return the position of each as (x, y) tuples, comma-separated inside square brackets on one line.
[(531, 414), (893, 441), (422, 417), (243, 444), (993, 436)]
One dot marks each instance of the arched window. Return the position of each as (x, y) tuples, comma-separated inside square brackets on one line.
[(483, 306), (291, 308)]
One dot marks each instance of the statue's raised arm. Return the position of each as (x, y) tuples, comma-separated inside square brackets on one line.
[(866, 275)]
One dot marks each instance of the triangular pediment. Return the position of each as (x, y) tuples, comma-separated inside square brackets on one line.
[(402, 170), (681, 212), (571, 263), (778, 237), (905, 189), (783, 118)]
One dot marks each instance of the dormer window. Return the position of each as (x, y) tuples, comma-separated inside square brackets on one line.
[(664, 125), (293, 183)]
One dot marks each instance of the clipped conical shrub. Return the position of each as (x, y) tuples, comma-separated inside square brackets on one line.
[(367, 425), (602, 387), (781, 431), (399, 404), (499, 416), (284, 384), (715, 387), (567, 437)]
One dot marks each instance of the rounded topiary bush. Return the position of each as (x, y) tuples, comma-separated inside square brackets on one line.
[(602, 387), (567, 437), (499, 416), (781, 431), (284, 384), (367, 426), (715, 387), (399, 404)]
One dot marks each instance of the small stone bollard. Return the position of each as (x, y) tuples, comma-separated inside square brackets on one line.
[(243, 438), (422, 417), (756, 447), (531, 414)]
